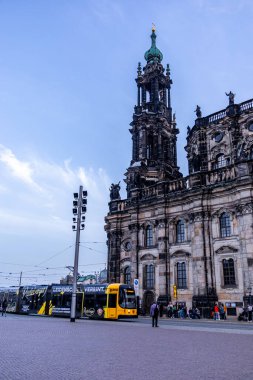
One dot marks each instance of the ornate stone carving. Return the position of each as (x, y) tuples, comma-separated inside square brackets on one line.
[(180, 253), (246, 208), (226, 249), (147, 256)]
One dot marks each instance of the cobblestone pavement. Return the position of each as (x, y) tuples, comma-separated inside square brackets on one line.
[(49, 348)]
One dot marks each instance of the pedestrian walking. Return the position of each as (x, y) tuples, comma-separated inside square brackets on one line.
[(225, 311), (154, 312), (197, 313), (222, 312), (169, 310), (4, 307), (249, 313), (216, 312)]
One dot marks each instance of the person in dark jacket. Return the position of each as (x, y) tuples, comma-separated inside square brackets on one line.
[(154, 312), (4, 307), (161, 310)]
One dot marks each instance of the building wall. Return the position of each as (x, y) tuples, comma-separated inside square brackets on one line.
[(220, 156)]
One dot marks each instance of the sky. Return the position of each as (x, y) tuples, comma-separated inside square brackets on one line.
[(67, 94)]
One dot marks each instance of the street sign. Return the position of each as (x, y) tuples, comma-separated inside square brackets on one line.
[(136, 286)]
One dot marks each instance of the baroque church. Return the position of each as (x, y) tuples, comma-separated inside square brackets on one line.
[(187, 240)]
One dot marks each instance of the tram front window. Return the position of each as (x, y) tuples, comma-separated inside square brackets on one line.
[(127, 299)]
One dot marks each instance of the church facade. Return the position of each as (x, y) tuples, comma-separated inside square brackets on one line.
[(187, 240)]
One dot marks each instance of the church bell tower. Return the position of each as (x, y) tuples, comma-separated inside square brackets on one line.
[(153, 129)]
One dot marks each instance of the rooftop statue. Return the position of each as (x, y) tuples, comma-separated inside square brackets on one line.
[(198, 111), (231, 97), (114, 191)]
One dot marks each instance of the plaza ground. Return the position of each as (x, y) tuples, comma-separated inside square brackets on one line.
[(51, 348)]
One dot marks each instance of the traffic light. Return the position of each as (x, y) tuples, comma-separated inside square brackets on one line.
[(175, 291)]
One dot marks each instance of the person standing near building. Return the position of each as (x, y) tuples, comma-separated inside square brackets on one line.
[(154, 312), (222, 312), (161, 310), (4, 307), (169, 310), (249, 313), (216, 312), (225, 311)]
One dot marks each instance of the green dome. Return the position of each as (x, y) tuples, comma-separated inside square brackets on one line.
[(153, 54)]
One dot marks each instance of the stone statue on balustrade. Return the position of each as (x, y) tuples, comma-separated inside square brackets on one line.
[(198, 112), (114, 191), (231, 98)]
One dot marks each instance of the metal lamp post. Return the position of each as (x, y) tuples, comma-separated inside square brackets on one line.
[(79, 209)]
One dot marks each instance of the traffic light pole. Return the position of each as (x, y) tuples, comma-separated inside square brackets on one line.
[(75, 273)]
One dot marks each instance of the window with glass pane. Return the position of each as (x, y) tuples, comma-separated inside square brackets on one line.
[(127, 276), (228, 271), (221, 162), (149, 277), (149, 236), (251, 152), (149, 147), (181, 276), (225, 225), (180, 231)]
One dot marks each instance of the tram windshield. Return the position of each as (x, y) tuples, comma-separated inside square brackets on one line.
[(127, 298)]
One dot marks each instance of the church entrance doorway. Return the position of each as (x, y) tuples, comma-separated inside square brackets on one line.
[(148, 299)]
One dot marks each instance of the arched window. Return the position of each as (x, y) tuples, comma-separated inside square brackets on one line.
[(180, 231), (225, 225), (228, 271), (150, 146), (149, 277), (181, 276), (149, 236), (127, 275)]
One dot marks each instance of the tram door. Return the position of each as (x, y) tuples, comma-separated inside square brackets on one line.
[(112, 306)]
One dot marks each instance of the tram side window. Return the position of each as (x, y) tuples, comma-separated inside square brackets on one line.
[(56, 300), (66, 300), (122, 298), (89, 300), (79, 301), (112, 300), (100, 300)]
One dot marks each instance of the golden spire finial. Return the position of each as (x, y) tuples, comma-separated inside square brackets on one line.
[(153, 27)]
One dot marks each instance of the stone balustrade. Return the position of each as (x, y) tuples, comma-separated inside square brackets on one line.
[(221, 175)]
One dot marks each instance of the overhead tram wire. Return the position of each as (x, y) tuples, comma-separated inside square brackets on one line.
[(37, 266), (58, 253), (92, 249), (93, 242)]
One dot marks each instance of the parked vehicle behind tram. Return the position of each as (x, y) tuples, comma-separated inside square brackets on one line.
[(109, 301)]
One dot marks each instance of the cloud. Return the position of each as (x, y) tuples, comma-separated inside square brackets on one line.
[(20, 169), (38, 194)]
